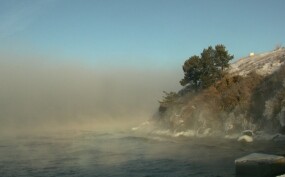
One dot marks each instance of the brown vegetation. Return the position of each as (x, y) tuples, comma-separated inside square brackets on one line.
[(240, 100)]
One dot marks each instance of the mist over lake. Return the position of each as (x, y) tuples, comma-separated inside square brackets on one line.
[(162, 88), (99, 153), (39, 95)]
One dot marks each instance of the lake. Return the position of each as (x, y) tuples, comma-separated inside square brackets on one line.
[(123, 153)]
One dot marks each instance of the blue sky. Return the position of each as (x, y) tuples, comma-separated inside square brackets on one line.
[(142, 33)]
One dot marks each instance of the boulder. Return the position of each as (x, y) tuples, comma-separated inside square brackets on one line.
[(261, 165), (246, 136)]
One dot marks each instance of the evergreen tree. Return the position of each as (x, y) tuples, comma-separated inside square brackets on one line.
[(201, 72), (192, 71), (222, 57)]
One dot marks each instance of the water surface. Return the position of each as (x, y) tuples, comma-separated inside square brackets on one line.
[(92, 153)]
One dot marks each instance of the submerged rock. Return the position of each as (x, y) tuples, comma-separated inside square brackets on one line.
[(279, 138), (261, 165)]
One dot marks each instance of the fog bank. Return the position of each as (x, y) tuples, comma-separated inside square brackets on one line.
[(37, 94)]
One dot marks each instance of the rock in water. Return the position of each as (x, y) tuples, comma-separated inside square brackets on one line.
[(261, 165), (281, 176), (247, 136)]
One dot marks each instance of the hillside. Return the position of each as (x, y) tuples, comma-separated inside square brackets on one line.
[(263, 64), (250, 96)]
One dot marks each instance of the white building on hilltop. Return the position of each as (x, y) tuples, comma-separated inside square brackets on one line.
[(251, 54)]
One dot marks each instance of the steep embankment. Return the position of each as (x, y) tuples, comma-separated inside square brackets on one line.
[(251, 96)]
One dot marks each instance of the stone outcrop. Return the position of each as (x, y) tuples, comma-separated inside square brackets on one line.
[(261, 165)]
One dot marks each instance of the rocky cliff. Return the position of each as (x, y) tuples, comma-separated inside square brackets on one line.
[(250, 96)]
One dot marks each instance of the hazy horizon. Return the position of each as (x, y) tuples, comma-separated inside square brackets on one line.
[(73, 62), (37, 96)]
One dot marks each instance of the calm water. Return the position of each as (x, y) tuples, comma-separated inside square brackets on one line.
[(90, 153)]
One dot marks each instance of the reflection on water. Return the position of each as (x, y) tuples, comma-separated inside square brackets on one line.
[(122, 154)]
